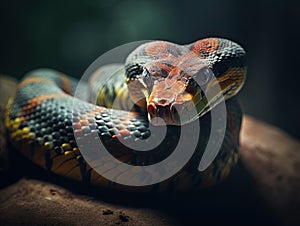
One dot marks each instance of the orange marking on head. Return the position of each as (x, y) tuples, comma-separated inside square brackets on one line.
[(165, 67), (153, 49), (161, 49), (205, 46), (176, 71)]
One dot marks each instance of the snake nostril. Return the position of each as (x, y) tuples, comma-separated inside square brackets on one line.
[(162, 101)]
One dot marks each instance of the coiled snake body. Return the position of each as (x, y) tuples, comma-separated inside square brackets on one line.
[(160, 79)]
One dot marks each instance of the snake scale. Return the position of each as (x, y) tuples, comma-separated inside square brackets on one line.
[(160, 79)]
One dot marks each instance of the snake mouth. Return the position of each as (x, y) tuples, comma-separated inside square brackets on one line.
[(169, 114)]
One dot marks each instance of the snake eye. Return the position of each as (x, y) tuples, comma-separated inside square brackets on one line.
[(204, 76), (147, 78), (191, 86)]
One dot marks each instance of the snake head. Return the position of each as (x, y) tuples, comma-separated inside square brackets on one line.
[(172, 90), (171, 93), (181, 83)]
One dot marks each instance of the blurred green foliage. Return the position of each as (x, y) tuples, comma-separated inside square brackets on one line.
[(69, 35)]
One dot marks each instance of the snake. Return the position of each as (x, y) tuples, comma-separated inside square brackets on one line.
[(160, 84)]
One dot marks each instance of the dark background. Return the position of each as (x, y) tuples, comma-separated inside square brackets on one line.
[(69, 35)]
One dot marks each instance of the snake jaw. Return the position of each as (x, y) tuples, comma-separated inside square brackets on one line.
[(175, 106), (166, 113)]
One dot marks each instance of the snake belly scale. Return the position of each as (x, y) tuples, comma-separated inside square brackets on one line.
[(159, 78)]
